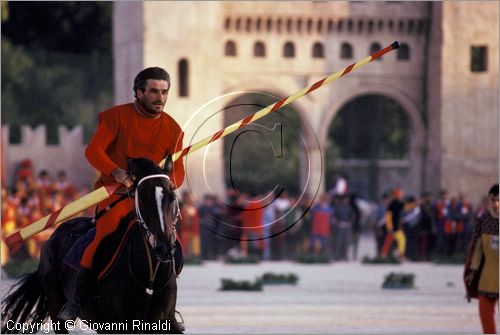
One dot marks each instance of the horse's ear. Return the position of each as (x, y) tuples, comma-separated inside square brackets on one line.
[(167, 168)]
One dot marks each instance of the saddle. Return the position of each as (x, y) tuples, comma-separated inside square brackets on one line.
[(82, 233)]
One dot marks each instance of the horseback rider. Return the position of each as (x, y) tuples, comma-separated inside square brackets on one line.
[(137, 129)]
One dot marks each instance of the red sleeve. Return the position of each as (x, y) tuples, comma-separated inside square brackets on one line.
[(96, 150), (178, 172)]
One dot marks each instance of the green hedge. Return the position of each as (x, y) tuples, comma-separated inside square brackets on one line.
[(458, 258), (380, 260), (312, 259), (240, 285), (399, 280), (242, 260), (270, 278)]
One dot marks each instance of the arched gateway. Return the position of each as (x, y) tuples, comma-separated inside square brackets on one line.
[(369, 143)]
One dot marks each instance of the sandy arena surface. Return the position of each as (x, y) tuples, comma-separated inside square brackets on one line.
[(341, 297)]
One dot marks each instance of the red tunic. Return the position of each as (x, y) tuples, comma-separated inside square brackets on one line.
[(190, 225), (253, 217), (123, 133)]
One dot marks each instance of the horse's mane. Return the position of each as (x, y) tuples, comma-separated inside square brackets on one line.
[(142, 167)]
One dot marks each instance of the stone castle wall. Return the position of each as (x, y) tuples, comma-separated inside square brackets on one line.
[(68, 155), (198, 32), (469, 119)]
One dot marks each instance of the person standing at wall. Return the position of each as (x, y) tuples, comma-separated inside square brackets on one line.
[(466, 213), (356, 224), (322, 214), (394, 231), (409, 219), (483, 264), (441, 213), (427, 227), (343, 218), (190, 223)]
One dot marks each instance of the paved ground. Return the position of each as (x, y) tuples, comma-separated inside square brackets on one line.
[(344, 297), (336, 298)]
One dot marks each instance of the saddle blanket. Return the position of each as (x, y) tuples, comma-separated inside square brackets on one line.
[(75, 254)]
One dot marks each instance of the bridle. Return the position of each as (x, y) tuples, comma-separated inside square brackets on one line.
[(175, 212), (152, 241)]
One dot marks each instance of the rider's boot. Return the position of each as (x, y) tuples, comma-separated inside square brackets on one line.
[(80, 292)]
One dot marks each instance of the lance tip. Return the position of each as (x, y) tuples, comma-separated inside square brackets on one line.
[(395, 45)]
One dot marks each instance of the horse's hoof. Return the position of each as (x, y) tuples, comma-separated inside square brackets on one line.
[(176, 327)]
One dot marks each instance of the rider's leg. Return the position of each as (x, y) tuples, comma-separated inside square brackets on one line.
[(106, 225), (79, 291)]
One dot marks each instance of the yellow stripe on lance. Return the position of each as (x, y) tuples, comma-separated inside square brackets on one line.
[(105, 192)]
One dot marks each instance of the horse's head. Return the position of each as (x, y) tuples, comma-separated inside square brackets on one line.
[(155, 203)]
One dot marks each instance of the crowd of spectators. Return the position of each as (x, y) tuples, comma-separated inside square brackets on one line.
[(404, 227), (432, 225), (271, 227), (276, 226), (32, 197)]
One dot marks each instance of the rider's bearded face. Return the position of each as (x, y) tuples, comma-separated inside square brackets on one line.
[(154, 97)]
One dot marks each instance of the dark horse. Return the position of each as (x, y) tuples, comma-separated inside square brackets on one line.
[(138, 294)]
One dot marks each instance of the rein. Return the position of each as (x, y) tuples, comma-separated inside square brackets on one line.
[(175, 213), (150, 242)]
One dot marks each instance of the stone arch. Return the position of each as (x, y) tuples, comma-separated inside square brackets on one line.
[(289, 25), (374, 47), (238, 24), (230, 48), (289, 50), (259, 49), (330, 26), (249, 24), (319, 26), (183, 76), (279, 22), (417, 135), (306, 117), (309, 26), (346, 51), (403, 53), (380, 25), (361, 24), (227, 24), (318, 51), (258, 24), (330, 111)]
